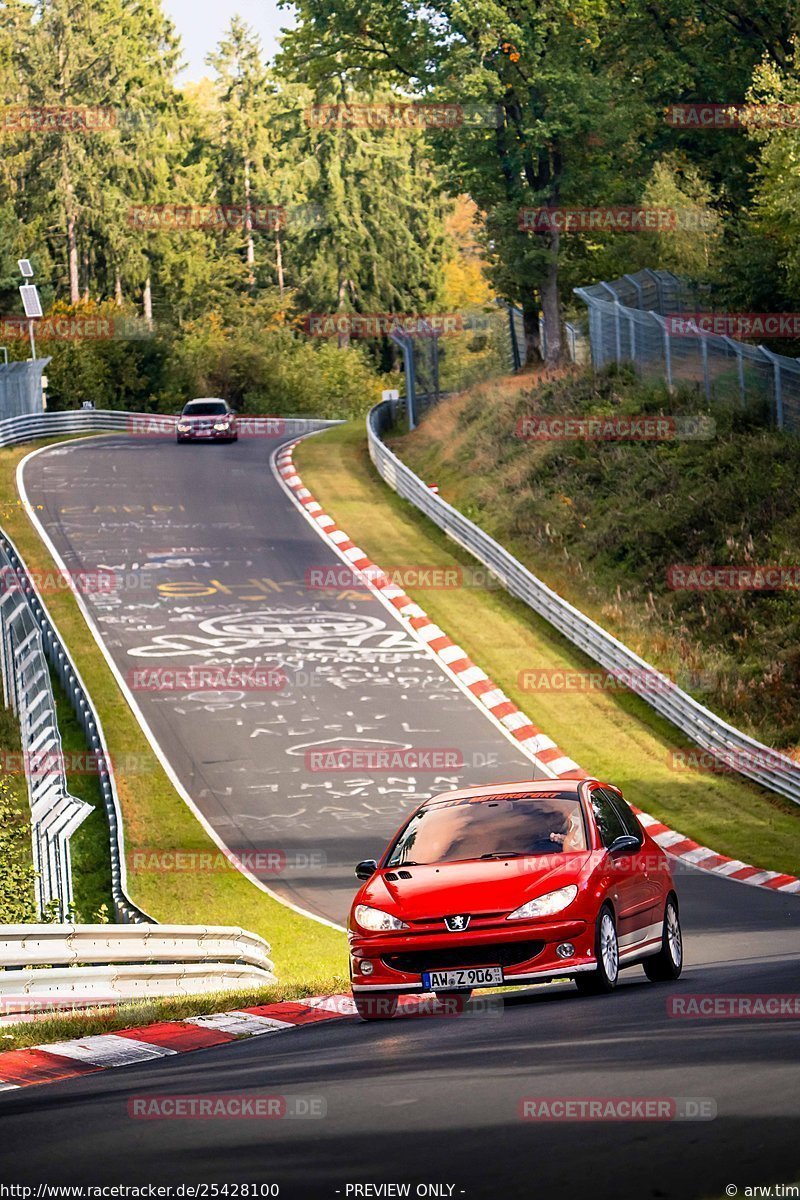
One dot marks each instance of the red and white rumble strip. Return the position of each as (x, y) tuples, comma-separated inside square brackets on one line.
[(541, 749), (83, 1056)]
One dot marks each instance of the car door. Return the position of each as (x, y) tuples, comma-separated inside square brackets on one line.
[(627, 882), (646, 863)]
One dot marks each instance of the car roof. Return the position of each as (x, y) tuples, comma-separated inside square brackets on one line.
[(205, 400), (525, 787)]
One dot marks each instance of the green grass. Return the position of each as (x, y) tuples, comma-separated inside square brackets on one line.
[(136, 1013), (90, 852), (618, 738), (17, 893), (155, 817)]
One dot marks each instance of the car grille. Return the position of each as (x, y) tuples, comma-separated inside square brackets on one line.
[(503, 954)]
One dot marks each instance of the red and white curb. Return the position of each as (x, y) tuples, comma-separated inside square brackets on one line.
[(54, 1061), (539, 747), (83, 1056)]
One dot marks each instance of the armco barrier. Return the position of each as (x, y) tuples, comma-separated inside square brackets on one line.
[(59, 658), (55, 814), (91, 964), (744, 754), (68, 945)]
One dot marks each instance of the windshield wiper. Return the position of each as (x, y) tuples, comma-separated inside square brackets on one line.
[(500, 854)]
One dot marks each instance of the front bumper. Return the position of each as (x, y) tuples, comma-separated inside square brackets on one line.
[(206, 435), (526, 951)]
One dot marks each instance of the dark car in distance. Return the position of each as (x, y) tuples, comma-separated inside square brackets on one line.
[(208, 419)]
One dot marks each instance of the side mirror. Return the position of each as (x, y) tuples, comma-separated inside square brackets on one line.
[(626, 843), (366, 869)]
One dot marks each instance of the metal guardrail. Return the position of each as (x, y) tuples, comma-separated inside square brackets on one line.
[(90, 964), (51, 989), (55, 814), (46, 781), (68, 945), (728, 745)]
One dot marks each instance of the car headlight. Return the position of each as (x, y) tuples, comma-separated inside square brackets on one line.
[(545, 906), (183, 427), (221, 424), (376, 921)]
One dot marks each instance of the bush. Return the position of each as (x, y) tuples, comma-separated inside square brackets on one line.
[(17, 903)]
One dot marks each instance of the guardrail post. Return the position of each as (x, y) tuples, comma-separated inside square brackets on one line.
[(706, 379)]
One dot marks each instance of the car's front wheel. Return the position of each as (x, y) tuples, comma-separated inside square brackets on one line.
[(667, 965), (603, 978), (379, 1006)]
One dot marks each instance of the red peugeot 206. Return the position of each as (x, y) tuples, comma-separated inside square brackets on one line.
[(513, 884)]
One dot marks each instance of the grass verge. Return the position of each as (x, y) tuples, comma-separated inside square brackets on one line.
[(155, 816), (135, 1013), (90, 852), (617, 737), (17, 878)]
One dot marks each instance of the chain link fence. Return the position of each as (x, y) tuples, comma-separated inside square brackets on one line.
[(21, 388), (487, 343), (637, 319)]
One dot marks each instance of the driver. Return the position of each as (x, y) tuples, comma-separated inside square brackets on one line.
[(571, 836)]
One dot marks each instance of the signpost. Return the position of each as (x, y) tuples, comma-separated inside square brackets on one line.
[(30, 300)]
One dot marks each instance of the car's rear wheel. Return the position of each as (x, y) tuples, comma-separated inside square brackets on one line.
[(379, 1006), (667, 965), (603, 979)]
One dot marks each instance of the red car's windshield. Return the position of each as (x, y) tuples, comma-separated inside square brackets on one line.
[(491, 828)]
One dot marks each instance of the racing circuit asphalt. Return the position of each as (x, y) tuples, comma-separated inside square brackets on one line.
[(193, 555), (421, 1100)]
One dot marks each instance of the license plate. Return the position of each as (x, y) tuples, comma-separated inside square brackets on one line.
[(463, 977)]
